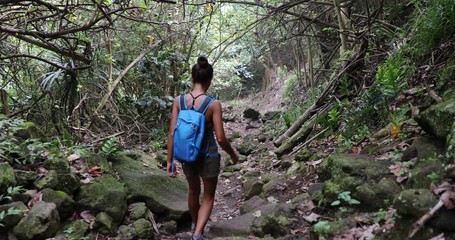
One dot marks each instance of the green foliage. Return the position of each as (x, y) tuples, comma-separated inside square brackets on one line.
[(9, 211), (435, 177), (434, 24), (10, 191), (110, 147), (391, 75), (345, 197), (68, 140), (344, 87), (291, 84), (322, 228)]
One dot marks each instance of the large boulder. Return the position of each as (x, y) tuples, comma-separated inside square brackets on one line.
[(377, 194), (162, 194), (105, 194), (41, 222), (7, 177), (25, 178), (28, 130), (273, 219), (436, 119)]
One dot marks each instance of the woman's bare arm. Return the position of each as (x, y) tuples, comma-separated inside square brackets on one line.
[(217, 120), (170, 137)]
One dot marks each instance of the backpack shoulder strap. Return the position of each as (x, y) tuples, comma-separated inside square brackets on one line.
[(182, 102), (205, 104)]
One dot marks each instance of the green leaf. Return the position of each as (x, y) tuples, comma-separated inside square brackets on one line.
[(335, 203)]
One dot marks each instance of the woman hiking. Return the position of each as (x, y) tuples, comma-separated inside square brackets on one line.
[(207, 166)]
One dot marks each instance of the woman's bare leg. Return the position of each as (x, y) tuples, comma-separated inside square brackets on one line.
[(194, 184), (207, 204)]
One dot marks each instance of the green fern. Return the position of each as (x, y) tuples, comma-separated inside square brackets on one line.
[(110, 147)]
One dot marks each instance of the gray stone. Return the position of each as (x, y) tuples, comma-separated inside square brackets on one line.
[(143, 228), (126, 232), (268, 219), (169, 227), (105, 194), (57, 164), (65, 204), (41, 222), (315, 187), (427, 148), (162, 194), (252, 187), (252, 203), (299, 198), (104, 224), (7, 177)]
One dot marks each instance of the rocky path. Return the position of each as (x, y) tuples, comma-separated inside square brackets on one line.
[(260, 177)]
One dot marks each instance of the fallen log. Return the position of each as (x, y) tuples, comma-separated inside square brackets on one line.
[(300, 136)]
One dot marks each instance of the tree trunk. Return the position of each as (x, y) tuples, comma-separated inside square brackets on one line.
[(342, 26), (298, 137), (295, 126), (4, 101)]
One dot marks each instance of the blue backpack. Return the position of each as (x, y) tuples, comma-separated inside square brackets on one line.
[(189, 130)]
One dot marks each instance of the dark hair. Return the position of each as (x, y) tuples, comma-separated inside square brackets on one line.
[(202, 71)]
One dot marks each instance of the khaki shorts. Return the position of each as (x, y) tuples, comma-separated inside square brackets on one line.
[(207, 168)]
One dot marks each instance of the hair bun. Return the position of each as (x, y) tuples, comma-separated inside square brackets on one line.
[(202, 62)]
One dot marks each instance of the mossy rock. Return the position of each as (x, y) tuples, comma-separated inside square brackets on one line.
[(360, 166), (270, 184), (74, 230), (427, 148), (105, 194), (58, 164), (414, 202), (41, 222), (66, 182), (12, 220), (274, 224), (143, 157), (297, 168), (434, 120), (65, 204), (303, 156), (421, 176), (248, 146), (378, 194), (252, 187), (99, 160), (233, 168), (104, 224), (326, 229), (143, 228), (344, 183), (162, 194), (29, 130), (301, 197), (317, 156), (7, 177), (25, 178), (137, 211), (126, 232), (450, 151)]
